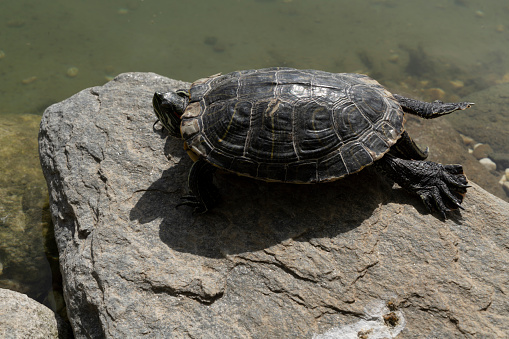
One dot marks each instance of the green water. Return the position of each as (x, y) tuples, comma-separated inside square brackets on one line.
[(49, 50)]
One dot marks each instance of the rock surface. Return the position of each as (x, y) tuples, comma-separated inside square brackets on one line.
[(23, 317), (350, 258)]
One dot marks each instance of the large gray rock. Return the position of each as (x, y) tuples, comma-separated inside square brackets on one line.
[(22, 317), (350, 258)]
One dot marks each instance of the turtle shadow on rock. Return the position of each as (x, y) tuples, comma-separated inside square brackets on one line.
[(254, 215), (400, 196)]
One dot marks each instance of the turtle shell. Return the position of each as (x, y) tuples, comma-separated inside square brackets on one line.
[(289, 125)]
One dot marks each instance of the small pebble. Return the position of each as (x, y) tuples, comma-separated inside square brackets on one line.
[(488, 164), (505, 78), (500, 28), (467, 141), (505, 186), (457, 83), (435, 93), (210, 40), (219, 48), (72, 72), (29, 80), (394, 58), (16, 23), (482, 151), (502, 180), (2, 54), (479, 14)]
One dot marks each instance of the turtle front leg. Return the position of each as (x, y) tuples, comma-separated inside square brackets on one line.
[(441, 187), (430, 110), (203, 194)]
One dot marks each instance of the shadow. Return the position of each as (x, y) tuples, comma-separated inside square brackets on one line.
[(254, 214)]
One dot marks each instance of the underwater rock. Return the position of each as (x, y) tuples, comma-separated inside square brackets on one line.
[(488, 164), (23, 317), (482, 151), (501, 159), (272, 260), (23, 200), (488, 122)]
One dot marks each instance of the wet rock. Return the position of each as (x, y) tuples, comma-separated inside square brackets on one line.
[(22, 317), (468, 141), (501, 159), (487, 122), (505, 186), (272, 260), (210, 40), (23, 201), (482, 151), (488, 164)]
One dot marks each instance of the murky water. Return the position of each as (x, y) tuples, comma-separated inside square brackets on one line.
[(49, 50)]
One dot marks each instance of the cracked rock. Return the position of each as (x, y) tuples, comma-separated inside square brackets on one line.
[(272, 260)]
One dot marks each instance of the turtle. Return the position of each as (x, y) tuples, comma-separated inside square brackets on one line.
[(304, 126)]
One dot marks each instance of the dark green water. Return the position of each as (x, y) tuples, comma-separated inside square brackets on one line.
[(49, 50)]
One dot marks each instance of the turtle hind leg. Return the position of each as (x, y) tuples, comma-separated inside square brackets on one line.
[(441, 187), (203, 194), (406, 148), (430, 110)]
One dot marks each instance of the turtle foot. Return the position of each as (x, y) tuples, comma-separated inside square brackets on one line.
[(203, 194), (446, 188), (193, 201), (209, 196), (441, 187), (444, 192)]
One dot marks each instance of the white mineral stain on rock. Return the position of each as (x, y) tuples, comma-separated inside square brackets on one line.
[(373, 326)]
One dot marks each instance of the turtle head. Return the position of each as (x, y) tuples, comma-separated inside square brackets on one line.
[(169, 108)]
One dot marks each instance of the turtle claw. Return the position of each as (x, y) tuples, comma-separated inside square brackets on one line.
[(441, 187), (203, 195), (446, 192)]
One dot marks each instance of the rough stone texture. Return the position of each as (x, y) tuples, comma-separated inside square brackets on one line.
[(23, 317), (271, 261)]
